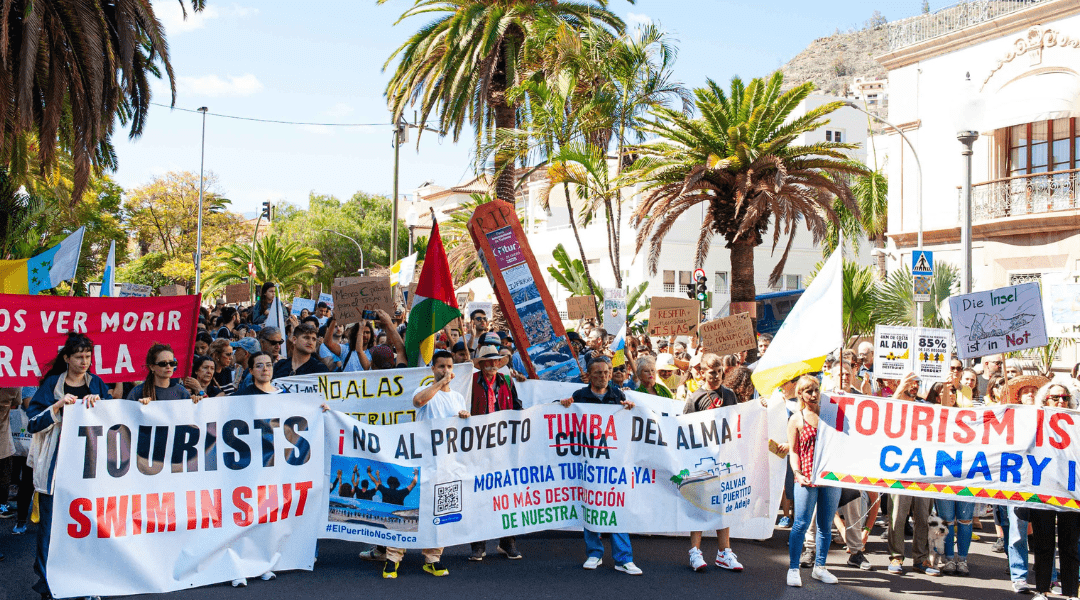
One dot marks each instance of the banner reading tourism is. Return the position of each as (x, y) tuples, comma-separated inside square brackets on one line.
[(33, 328), (1019, 455), (174, 495), (452, 481)]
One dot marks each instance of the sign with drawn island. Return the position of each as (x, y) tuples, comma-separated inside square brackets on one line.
[(1003, 320)]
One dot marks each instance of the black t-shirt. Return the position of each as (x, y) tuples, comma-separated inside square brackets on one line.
[(283, 367), (363, 494), (393, 496), (224, 382), (79, 391)]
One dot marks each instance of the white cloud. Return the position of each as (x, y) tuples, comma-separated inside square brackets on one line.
[(339, 110), (171, 15), (637, 20), (214, 86)]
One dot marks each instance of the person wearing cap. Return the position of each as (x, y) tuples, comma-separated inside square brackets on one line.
[(492, 392), (598, 391), (461, 353), (578, 344), (712, 394), (666, 372), (243, 348)]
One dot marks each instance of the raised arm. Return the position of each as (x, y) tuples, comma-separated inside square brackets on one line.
[(415, 476), (392, 335)]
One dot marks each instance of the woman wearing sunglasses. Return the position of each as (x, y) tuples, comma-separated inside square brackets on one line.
[(159, 384)]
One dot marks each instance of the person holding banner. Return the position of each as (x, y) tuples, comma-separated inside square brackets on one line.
[(262, 373), (647, 382), (712, 394), (435, 401), (68, 380), (201, 382), (1061, 393), (159, 384), (222, 353), (809, 498), (599, 392)]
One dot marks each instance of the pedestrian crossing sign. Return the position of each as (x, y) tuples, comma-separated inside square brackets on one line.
[(922, 262)]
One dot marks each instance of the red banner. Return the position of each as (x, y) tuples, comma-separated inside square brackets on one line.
[(34, 328)]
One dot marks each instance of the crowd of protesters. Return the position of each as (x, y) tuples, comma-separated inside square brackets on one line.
[(237, 353)]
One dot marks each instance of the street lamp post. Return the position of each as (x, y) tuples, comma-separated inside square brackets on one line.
[(358, 247), (411, 219), (968, 114), (918, 190), (198, 241)]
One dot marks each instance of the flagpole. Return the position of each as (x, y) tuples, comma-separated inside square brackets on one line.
[(198, 242)]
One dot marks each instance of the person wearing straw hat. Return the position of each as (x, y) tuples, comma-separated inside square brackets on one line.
[(1022, 389)]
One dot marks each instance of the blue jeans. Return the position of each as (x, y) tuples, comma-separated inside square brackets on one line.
[(44, 532), (621, 551), (955, 512), (825, 499), (1015, 530)]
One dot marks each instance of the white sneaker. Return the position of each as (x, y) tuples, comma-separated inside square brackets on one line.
[(267, 576), (728, 560), (794, 578), (239, 582), (628, 568), (697, 561), (592, 563), (823, 575)]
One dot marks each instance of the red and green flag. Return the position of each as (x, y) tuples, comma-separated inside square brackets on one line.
[(434, 304)]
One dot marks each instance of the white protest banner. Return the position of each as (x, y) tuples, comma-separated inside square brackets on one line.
[(892, 351), (933, 353), (382, 397), (1002, 320), (233, 487), (1019, 455), (451, 481), (614, 309), (1061, 304), (134, 290)]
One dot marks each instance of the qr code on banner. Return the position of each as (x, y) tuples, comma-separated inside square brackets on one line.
[(447, 498)]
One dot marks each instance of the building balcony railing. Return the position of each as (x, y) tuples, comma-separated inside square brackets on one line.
[(1025, 195), (917, 29)]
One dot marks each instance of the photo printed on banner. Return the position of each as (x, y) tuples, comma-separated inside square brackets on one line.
[(373, 493)]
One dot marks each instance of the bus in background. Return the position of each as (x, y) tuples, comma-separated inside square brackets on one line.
[(773, 308)]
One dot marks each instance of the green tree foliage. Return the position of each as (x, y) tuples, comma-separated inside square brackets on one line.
[(896, 298), (461, 252), (287, 263), (145, 270), (570, 274), (462, 65), (71, 70), (738, 157), (364, 217), (163, 216)]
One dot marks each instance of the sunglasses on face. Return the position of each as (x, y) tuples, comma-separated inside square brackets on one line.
[(956, 369), (1058, 397), (275, 342), (166, 363)]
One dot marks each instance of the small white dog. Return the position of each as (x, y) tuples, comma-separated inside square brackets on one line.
[(936, 535)]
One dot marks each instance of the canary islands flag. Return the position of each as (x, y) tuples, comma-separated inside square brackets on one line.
[(109, 276), (44, 271), (619, 348), (433, 305), (401, 272)]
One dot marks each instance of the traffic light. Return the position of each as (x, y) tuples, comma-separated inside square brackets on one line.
[(701, 290), (266, 210)]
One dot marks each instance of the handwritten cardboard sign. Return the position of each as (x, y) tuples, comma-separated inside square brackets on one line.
[(1002, 320), (236, 293), (367, 293), (580, 307), (134, 290), (673, 316), (728, 335), (316, 291), (172, 290)]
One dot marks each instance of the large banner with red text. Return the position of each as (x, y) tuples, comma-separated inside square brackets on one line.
[(451, 481), (1015, 454), (173, 495)]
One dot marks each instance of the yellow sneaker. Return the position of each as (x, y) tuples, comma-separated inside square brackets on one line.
[(437, 569), (390, 570)]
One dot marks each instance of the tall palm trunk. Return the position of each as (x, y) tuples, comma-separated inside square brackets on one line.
[(581, 249), (879, 242), (505, 119), (742, 282)]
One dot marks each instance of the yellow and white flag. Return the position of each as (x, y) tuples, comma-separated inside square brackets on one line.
[(401, 272), (811, 330)]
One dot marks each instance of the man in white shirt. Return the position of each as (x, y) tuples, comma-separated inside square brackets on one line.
[(436, 401)]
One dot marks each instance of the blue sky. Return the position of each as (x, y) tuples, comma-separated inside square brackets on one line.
[(270, 59)]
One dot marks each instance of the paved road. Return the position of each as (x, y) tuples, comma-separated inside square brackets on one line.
[(552, 569)]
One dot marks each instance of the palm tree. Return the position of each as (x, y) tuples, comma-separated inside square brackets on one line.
[(288, 264), (896, 301), (24, 219), (463, 64), (739, 159), (71, 69), (460, 250), (571, 275)]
